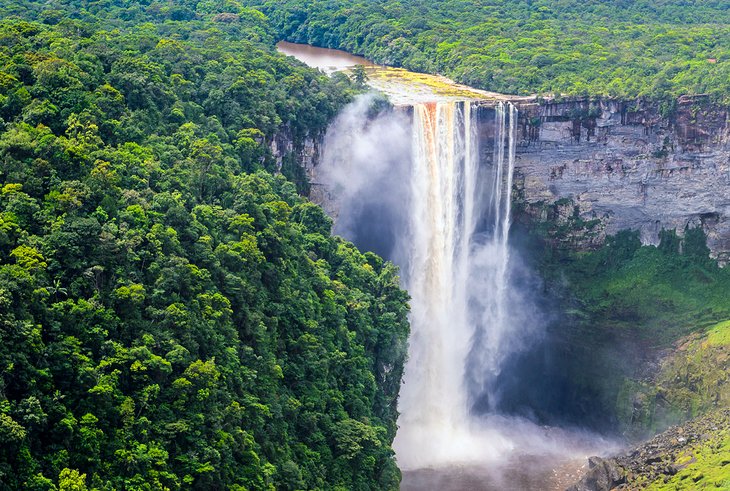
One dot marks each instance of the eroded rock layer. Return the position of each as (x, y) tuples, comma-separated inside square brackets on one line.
[(600, 167)]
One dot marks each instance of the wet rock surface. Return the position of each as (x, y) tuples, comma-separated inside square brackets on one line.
[(598, 167), (655, 460)]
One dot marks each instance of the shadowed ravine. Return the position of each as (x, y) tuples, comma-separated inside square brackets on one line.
[(415, 185)]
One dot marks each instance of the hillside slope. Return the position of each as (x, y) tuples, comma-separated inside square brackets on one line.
[(172, 316)]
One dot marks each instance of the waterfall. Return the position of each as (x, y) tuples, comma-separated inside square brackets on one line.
[(427, 188), (458, 279), (489, 270), (423, 187)]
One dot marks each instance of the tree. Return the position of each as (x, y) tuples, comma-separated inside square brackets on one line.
[(359, 75)]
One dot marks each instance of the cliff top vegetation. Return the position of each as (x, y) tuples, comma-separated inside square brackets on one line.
[(616, 48), (172, 316)]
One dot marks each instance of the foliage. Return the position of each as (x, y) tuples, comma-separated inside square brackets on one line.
[(614, 48), (172, 316), (624, 304), (359, 75), (691, 380), (703, 467), (656, 293)]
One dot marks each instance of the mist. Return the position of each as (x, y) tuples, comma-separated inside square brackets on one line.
[(366, 159), (421, 187)]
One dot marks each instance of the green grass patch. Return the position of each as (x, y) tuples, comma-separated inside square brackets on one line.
[(719, 335), (710, 469), (655, 294)]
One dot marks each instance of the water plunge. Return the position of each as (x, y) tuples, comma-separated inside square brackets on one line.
[(416, 186), (457, 278)]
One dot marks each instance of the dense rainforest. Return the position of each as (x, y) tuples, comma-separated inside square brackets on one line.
[(615, 48), (173, 315)]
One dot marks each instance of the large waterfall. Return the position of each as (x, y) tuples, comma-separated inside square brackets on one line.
[(429, 187), (457, 278)]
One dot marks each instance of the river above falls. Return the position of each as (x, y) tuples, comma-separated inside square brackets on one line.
[(402, 87), (326, 59)]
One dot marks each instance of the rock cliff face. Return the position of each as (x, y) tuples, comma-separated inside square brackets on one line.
[(592, 168), (607, 166), (307, 152)]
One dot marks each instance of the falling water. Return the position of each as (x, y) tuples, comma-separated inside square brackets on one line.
[(414, 185), (491, 316), (454, 249)]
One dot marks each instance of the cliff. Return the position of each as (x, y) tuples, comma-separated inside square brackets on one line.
[(586, 169), (597, 167)]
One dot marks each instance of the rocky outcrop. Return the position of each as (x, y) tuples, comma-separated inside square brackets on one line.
[(691, 379), (619, 165), (591, 168), (602, 475), (307, 151), (689, 456)]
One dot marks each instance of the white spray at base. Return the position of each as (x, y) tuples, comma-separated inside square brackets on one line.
[(466, 318)]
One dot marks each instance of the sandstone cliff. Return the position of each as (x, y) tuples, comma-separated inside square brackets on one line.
[(586, 169), (607, 166)]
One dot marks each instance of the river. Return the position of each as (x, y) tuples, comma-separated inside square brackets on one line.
[(402, 87), (327, 60)]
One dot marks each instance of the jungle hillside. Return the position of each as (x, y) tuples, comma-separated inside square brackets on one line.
[(173, 315), (625, 49)]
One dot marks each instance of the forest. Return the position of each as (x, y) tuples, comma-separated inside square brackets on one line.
[(619, 48), (173, 315)]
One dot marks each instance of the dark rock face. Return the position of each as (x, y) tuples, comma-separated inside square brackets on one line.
[(602, 475), (307, 150), (618, 165)]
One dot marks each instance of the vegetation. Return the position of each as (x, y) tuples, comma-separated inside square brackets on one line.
[(624, 306), (655, 293), (704, 467), (614, 48), (172, 316), (692, 380)]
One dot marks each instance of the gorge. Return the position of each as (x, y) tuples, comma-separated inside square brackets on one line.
[(215, 259), (436, 199)]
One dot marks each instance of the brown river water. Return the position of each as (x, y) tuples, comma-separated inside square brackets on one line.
[(327, 60), (536, 458), (402, 87)]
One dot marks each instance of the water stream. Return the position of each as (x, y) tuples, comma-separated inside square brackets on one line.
[(457, 277)]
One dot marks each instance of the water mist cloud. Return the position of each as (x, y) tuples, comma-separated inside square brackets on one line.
[(412, 186), (365, 164)]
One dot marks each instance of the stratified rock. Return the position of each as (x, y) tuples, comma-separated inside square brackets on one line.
[(629, 167)]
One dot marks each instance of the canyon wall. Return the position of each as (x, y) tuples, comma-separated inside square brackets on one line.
[(603, 166), (586, 169)]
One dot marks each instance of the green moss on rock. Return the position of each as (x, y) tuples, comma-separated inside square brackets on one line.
[(692, 379)]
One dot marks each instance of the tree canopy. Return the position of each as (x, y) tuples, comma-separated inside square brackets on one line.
[(616, 48), (173, 315)]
